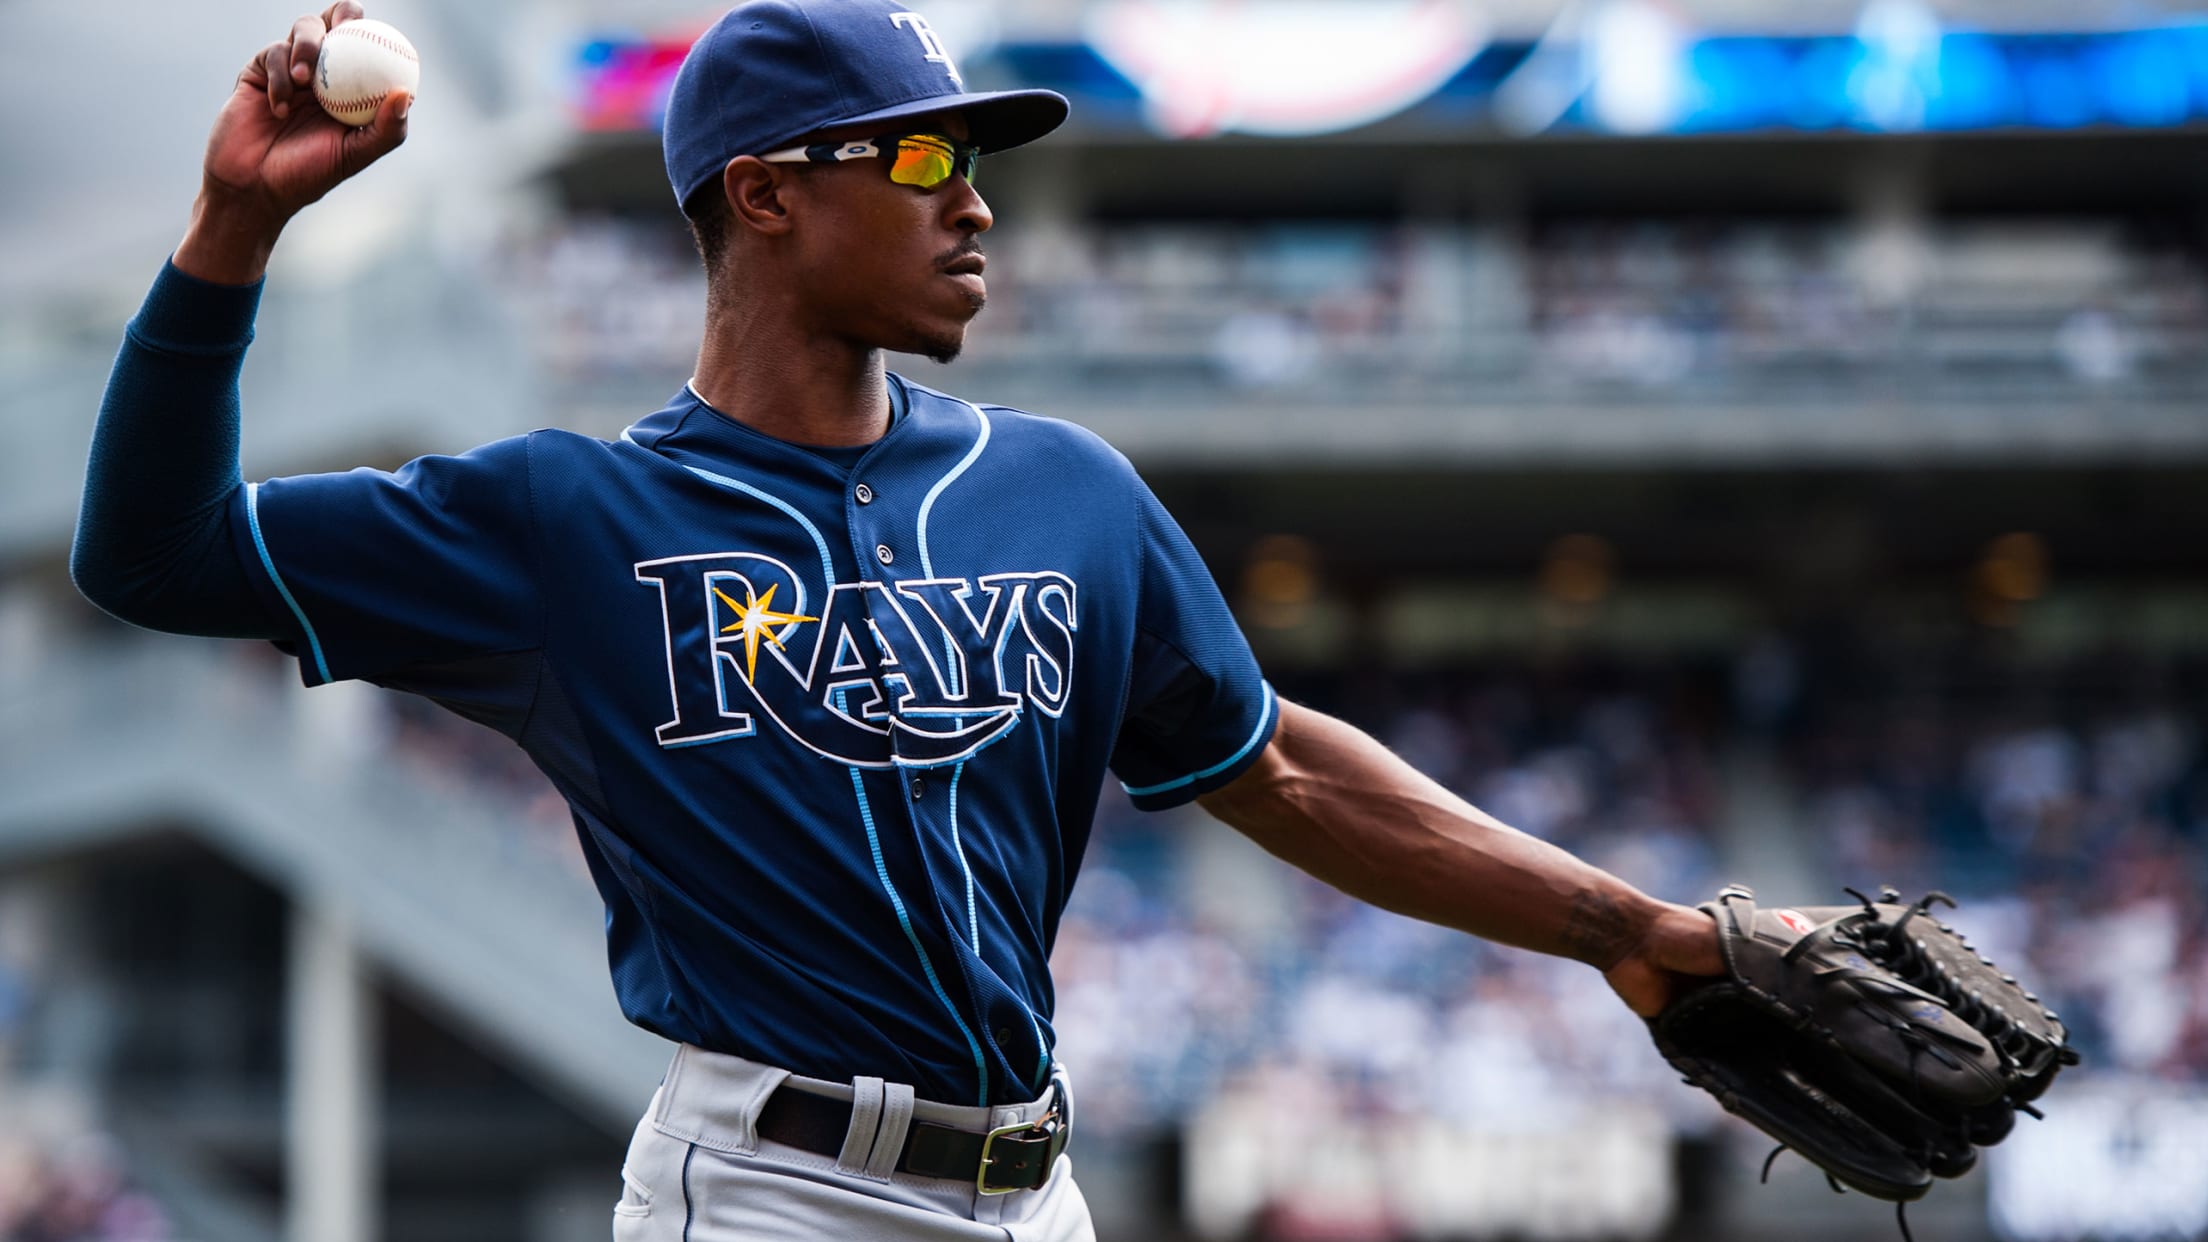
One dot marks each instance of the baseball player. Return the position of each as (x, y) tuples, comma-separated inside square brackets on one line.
[(829, 665)]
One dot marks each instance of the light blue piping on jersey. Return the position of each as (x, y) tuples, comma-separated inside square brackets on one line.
[(951, 665), (253, 523), (1263, 718), (820, 545), (881, 872), (973, 926), (950, 655), (927, 503), (973, 929), (950, 662)]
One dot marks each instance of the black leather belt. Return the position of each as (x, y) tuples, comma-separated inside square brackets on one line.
[(1010, 1158)]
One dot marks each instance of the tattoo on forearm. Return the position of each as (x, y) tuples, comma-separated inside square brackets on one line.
[(1597, 931)]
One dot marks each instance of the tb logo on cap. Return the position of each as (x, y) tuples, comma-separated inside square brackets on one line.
[(931, 43)]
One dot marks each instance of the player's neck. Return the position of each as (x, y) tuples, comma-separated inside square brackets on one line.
[(827, 393)]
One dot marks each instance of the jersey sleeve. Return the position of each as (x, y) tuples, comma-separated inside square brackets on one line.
[(1199, 711), (401, 578)]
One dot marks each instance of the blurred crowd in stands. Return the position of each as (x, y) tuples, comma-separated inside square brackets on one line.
[(71, 1185), (1178, 978), (2065, 807), (2063, 802), (1566, 307), (2069, 814), (448, 756), (61, 1178), (2067, 811)]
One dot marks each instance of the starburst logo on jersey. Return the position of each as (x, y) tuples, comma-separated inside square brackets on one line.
[(757, 620), (905, 674)]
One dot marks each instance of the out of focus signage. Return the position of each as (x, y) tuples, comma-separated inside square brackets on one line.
[(622, 80), (2112, 1163), (1283, 67), (1251, 1169), (1196, 68), (1908, 76)]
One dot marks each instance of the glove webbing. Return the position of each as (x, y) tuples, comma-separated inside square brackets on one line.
[(2033, 1055)]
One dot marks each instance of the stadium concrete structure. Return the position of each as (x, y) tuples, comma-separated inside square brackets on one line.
[(1747, 432)]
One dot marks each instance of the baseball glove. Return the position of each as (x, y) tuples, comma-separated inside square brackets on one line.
[(1872, 1039)]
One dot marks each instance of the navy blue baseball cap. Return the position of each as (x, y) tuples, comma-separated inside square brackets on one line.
[(774, 71)]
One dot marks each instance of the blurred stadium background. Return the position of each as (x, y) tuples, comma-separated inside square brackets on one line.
[(1733, 439)]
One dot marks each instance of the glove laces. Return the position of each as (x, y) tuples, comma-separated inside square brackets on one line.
[(1901, 1210)]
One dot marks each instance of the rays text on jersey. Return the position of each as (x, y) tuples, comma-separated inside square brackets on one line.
[(880, 674)]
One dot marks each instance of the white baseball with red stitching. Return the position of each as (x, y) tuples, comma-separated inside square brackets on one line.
[(362, 62)]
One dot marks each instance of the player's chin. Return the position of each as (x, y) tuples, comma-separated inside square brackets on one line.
[(944, 348), (967, 297), (943, 340)]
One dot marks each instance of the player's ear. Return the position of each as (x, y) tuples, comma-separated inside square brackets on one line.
[(755, 191)]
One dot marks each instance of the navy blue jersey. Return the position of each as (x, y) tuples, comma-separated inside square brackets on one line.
[(833, 733)]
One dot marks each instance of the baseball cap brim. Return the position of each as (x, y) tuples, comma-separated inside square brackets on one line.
[(996, 120)]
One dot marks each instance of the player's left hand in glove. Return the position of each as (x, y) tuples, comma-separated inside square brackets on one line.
[(1870, 1039)]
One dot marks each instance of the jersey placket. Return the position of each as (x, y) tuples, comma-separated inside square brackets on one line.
[(927, 797)]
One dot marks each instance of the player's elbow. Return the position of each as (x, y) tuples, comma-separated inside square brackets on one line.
[(154, 586), (102, 579), (181, 576)]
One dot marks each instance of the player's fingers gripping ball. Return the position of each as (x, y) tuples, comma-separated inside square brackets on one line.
[(362, 62)]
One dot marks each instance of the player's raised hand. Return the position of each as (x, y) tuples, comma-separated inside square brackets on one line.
[(273, 142), (274, 151)]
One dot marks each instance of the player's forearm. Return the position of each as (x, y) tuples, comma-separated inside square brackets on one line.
[(1335, 803), (229, 239), (154, 544)]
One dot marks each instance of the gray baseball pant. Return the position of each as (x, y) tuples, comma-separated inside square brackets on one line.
[(697, 1170)]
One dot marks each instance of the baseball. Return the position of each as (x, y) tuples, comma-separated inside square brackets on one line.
[(363, 61)]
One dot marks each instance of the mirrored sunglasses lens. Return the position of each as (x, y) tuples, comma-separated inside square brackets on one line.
[(923, 164)]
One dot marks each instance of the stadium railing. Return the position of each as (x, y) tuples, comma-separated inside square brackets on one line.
[(505, 938)]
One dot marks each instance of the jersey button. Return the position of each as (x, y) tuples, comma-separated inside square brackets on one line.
[(919, 788), (883, 554), (863, 494)]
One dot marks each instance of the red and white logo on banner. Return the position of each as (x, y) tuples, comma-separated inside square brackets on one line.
[(1283, 67)]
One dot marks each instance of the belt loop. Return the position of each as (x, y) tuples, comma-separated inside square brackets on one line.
[(1061, 1084), (664, 1098), (889, 1141), (747, 1142), (866, 1116)]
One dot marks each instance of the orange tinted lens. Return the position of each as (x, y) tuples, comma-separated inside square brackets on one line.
[(921, 161)]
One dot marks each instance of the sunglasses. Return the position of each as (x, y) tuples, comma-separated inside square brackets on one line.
[(923, 160)]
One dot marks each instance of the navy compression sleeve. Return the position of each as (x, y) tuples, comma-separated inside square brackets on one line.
[(153, 544)]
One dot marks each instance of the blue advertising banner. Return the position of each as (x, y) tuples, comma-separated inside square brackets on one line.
[(1622, 67)]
